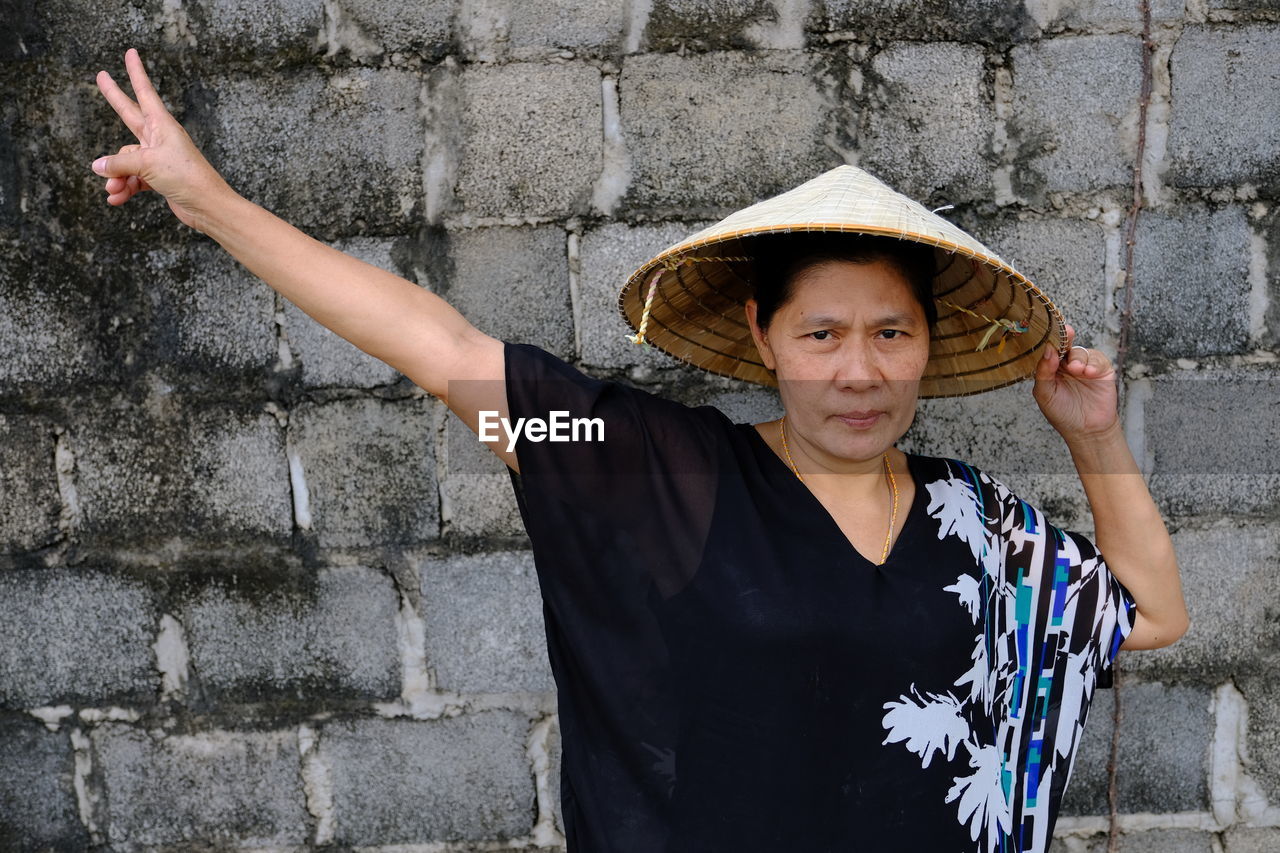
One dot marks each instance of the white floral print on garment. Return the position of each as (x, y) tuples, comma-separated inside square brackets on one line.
[(1048, 617)]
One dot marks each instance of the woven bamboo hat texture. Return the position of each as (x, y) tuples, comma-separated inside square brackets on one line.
[(689, 300)]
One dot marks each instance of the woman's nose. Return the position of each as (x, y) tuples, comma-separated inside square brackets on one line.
[(859, 365)]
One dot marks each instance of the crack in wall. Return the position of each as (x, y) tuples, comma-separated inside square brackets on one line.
[(545, 832), (88, 800), (70, 516), (317, 784), (615, 171), (173, 660)]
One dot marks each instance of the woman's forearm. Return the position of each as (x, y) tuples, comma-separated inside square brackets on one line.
[(1131, 535), (381, 313)]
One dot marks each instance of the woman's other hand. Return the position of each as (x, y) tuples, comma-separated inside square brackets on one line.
[(1078, 395), (164, 158)]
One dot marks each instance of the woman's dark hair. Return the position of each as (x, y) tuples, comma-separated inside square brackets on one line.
[(779, 259)]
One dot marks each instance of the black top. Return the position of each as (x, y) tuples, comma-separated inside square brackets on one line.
[(734, 676)]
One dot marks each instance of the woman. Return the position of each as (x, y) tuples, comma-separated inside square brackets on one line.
[(778, 636)]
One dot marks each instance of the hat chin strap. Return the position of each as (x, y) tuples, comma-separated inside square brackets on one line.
[(668, 264), (638, 337)]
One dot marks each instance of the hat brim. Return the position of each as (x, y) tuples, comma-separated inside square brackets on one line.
[(698, 316)]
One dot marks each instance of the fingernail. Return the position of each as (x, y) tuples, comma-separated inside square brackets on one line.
[(100, 165), (1047, 353)]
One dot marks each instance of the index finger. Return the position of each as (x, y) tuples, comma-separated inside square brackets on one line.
[(121, 103), (148, 99)]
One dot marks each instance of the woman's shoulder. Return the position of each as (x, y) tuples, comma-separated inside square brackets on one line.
[(948, 478)]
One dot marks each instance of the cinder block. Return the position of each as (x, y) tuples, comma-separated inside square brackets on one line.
[(257, 29), (483, 616), (1263, 739), (328, 359), (513, 284), (506, 29), (715, 148), (982, 21), (1167, 841), (369, 470), (1163, 840), (1210, 435), (691, 24), (330, 635), (89, 34), (36, 790), (182, 469), (1263, 839), (462, 778), (49, 340), (929, 127), (1163, 762), (1003, 433), (1074, 114), (1102, 14), (212, 322), (531, 139), (220, 788), (322, 150), (1191, 282), (477, 486), (1225, 79), (742, 405), (1227, 573), (609, 255), (74, 636), (1065, 258), (29, 501), (368, 29)]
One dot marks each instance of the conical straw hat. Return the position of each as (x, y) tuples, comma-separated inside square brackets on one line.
[(993, 323)]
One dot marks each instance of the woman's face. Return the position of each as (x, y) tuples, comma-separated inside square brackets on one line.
[(852, 339)]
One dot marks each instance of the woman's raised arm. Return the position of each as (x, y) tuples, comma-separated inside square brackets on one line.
[(392, 319), (1078, 396)]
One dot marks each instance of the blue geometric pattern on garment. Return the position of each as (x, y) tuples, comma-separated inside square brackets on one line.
[(1052, 618)]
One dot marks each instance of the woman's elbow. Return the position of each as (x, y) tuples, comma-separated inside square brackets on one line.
[(1179, 629), (1147, 634)]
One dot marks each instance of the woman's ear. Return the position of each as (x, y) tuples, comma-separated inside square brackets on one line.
[(759, 335)]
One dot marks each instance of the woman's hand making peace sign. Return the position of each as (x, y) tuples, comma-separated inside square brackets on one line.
[(164, 158)]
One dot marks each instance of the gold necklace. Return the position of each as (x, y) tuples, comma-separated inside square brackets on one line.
[(893, 483)]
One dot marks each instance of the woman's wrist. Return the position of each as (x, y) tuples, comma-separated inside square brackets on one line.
[(1100, 451), (222, 213)]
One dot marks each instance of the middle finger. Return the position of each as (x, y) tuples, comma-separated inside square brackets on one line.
[(124, 106)]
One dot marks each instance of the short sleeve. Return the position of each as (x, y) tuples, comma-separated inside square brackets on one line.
[(1105, 610), (1068, 602), (625, 459)]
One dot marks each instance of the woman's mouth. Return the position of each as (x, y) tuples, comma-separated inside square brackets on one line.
[(860, 419)]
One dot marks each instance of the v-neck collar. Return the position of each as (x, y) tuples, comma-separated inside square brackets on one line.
[(783, 472)]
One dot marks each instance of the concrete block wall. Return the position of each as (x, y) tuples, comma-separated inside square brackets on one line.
[(258, 590)]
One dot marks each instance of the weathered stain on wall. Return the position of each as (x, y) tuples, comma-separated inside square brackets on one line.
[(257, 589)]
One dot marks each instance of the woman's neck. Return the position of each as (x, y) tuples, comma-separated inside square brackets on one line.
[(841, 478)]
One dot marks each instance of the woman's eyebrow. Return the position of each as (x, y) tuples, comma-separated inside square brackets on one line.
[(822, 320), (894, 320), (897, 319)]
